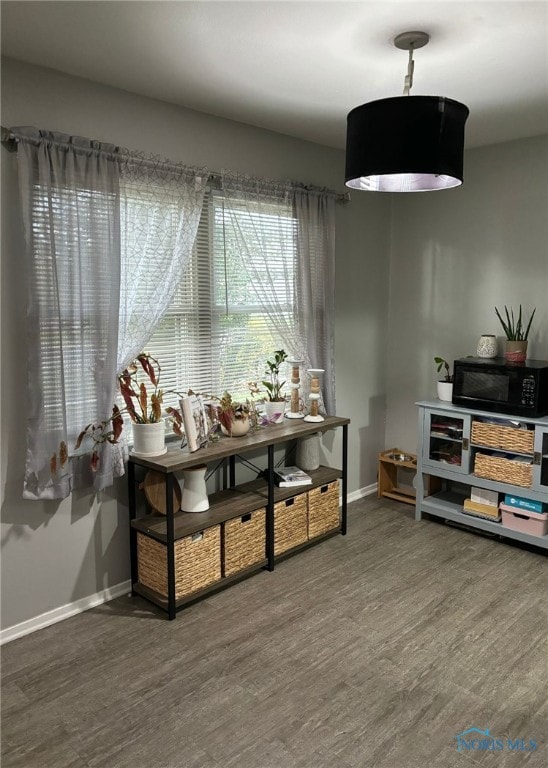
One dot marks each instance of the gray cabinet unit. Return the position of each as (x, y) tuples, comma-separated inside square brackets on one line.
[(468, 449)]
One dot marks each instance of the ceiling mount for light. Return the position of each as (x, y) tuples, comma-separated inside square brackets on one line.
[(406, 143)]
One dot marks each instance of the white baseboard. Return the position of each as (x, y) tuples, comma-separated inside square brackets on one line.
[(64, 612), (368, 490), (78, 606)]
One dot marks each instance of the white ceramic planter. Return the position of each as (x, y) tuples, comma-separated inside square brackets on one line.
[(238, 427), (149, 439), (445, 391), (274, 411)]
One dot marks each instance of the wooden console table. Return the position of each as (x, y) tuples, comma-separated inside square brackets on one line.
[(228, 504)]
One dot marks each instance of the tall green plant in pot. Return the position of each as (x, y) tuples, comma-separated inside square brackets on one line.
[(275, 400), (516, 332)]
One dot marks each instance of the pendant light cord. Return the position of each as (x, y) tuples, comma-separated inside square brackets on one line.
[(408, 82)]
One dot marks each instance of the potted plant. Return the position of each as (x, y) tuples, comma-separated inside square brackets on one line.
[(517, 334), (445, 385), (144, 408), (275, 401), (233, 416)]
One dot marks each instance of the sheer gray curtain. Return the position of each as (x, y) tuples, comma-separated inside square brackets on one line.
[(287, 234), (315, 214), (109, 234)]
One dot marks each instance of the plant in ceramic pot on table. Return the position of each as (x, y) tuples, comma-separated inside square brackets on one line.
[(445, 385), (517, 333), (275, 400), (233, 416), (139, 385)]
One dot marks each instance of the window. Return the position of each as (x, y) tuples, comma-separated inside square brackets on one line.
[(110, 233), (216, 335)]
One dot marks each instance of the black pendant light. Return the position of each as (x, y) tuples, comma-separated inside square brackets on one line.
[(406, 143)]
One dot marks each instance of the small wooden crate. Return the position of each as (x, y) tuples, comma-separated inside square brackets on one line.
[(197, 562), (503, 470), (323, 509), (290, 523), (506, 438), (244, 542)]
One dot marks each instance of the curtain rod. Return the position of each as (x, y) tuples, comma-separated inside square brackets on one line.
[(214, 177)]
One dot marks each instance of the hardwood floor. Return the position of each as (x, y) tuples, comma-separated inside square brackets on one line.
[(372, 650)]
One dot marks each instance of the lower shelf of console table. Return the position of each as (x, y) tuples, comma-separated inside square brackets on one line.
[(204, 546)]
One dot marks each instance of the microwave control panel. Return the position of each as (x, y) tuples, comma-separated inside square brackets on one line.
[(528, 391)]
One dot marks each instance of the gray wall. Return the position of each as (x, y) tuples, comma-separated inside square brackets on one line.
[(455, 256), (56, 553)]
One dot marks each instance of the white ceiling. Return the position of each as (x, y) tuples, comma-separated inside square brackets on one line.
[(299, 67)]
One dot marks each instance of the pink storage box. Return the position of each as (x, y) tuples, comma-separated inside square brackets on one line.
[(524, 520)]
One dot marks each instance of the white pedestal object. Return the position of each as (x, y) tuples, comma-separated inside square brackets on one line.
[(294, 385), (314, 396)]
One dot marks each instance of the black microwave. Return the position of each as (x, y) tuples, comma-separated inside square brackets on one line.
[(497, 385)]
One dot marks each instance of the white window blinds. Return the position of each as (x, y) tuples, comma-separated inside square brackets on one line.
[(216, 335)]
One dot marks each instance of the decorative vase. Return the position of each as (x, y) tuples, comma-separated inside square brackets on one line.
[(194, 498), (515, 351), (274, 411), (149, 439), (445, 391), (308, 452), (487, 346), (238, 427)]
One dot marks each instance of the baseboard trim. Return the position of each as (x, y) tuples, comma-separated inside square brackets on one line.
[(368, 490), (85, 603), (64, 612)]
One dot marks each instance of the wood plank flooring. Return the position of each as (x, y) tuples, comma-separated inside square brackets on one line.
[(372, 650)]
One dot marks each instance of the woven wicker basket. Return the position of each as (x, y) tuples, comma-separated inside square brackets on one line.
[(503, 470), (507, 438), (197, 562), (290, 523), (244, 542), (323, 509)]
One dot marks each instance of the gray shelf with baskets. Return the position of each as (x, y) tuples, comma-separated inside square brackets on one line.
[(477, 446), (178, 558)]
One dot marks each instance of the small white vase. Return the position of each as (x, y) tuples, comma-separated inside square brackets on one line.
[(149, 439), (487, 346), (194, 498), (445, 391)]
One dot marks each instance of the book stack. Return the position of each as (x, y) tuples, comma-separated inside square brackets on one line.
[(287, 477), (482, 503)]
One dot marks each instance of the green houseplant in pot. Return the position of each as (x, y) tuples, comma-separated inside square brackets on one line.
[(517, 333), (445, 385), (275, 400)]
